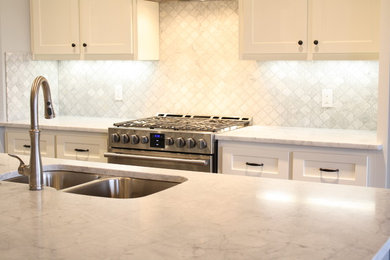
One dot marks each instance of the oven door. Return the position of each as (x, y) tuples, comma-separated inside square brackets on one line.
[(169, 160)]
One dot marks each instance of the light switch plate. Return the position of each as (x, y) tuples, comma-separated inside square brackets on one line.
[(327, 97)]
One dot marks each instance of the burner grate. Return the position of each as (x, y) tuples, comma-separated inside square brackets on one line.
[(187, 123)]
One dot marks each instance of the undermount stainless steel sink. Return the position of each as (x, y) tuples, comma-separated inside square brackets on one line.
[(95, 183), (121, 187), (60, 179)]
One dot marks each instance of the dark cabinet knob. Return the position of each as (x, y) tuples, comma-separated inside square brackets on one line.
[(84, 44), (73, 45), (300, 42), (315, 42)]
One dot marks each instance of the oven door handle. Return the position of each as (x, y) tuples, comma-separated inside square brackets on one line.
[(131, 156)]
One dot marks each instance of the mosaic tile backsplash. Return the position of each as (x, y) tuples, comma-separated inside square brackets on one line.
[(199, 73), (21, 71)]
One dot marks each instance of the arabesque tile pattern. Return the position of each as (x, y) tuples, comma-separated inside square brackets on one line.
[(199, 73)]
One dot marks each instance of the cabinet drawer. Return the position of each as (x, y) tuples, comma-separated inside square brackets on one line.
[(80, 147), (255, 161), (19, 143), (330, 168)]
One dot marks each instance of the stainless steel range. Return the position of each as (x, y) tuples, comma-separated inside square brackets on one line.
[(184, 142)]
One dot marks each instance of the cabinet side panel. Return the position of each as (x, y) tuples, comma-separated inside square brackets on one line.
[(147, 30)]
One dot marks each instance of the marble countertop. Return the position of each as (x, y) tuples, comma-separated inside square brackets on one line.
[(210, 216), (338, 138), (89, 124)]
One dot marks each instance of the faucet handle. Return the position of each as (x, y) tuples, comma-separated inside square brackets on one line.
[(22, 166)]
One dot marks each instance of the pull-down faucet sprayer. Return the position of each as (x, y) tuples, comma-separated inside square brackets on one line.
[(35, 170)]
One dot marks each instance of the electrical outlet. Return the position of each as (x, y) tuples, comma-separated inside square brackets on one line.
[(118, 93), (327, 97)]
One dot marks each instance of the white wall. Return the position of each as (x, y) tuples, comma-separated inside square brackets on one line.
[(14, 37), (383, 90)]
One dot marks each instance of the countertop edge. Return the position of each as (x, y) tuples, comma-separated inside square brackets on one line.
[(68, 123), (360, 146)]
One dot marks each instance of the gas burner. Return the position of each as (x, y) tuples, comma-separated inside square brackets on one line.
[(187, 123)]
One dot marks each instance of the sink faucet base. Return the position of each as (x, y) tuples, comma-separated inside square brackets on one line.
[(35, 161)]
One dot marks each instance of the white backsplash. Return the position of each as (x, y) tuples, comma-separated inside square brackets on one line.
[(21, 71), (199, 73)]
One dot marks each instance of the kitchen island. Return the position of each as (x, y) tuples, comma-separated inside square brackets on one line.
[(209, 216)]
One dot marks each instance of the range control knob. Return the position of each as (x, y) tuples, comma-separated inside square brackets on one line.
[(134, 139), (202, 143), (169, 141), (125, 138), (115, 138), (191, 143), (144, 139), (180, 142)]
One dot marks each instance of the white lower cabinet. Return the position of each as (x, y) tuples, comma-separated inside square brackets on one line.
[(59, 144), (18, 142), (339, 168), (82, 147), (316, 164), (259, 161)]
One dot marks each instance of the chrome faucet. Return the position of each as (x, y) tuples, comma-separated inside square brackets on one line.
[(35, 170)]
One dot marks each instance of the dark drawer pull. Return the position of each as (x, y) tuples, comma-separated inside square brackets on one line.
[(26, 146), (255, 164), (81, 150), (329, 170)]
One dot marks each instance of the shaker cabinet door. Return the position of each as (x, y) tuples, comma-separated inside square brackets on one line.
[(106, 28), (55, 26), (257, 161), (83, 147), (335, 167), (277, 26), (347, 26), (18, 142)]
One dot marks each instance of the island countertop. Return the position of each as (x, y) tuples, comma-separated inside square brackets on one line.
[(209, 216)]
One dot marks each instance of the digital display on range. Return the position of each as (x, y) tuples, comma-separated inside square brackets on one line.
[(157, 140)]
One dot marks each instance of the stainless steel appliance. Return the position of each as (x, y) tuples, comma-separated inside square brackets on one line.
[(184, 142)]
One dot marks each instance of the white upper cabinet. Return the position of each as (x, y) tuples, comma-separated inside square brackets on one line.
[(276, 26), (94, 29), (309, 29), (106, 28), (55, 27), (345, 26)]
